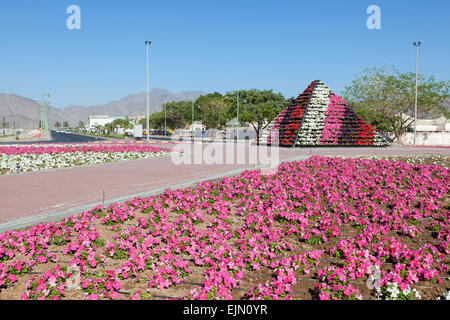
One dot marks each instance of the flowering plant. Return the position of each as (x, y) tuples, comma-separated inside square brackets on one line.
[(329, 221), (16, 159)]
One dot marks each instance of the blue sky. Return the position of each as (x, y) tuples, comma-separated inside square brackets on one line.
[(211, 45)]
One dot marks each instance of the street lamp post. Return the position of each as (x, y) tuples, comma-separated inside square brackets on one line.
[(165, 120), (147, 44), (417, 45), (192, 122), (44, 121), (237, 111)]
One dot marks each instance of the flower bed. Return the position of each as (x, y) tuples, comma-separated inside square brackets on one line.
[(439, 160), (322, 228), (16, 159)]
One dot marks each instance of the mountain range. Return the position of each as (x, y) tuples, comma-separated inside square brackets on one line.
[(21, 112)]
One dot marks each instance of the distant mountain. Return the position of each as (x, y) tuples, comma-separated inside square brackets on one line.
[(20, 112), (26, 112), (135, 104)]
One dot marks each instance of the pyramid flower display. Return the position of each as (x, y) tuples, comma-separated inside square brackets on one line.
[(288, 122), (320, 117)]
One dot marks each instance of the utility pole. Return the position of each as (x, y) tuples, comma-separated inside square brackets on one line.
[(147, 44), (417, 45), (192, 128), (237, 111), (44, 122), (165, 120)]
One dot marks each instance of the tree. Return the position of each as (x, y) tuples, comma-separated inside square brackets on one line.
[(214, 114), (58, 125), (259, 107), (65, 124), (156, 120), (386, 98), (202, 102), (120, 123), (81, 124), (143, 123), (205, 99), (173, 120), (182, 108)]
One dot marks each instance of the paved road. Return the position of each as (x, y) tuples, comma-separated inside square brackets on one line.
[(73, 190), (60, 137)]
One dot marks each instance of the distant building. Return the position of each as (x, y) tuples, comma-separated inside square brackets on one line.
[(433, 125), (197, 125), (135, 119), (430, 122), (239, 130), (98, 120)]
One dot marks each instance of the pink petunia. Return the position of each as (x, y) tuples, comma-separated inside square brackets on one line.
[(324, 295)]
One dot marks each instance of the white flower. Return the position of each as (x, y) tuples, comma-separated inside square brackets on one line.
[(14, 163), (447, 295), (416, 293)]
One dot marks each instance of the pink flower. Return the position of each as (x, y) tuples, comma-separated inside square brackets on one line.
[(348, 290), (108, 285), (114, 295), (402, 286), (92, 262), (202, 296), (324, 295), (86, 283), (93, 296), (117, 285), (12, 278)]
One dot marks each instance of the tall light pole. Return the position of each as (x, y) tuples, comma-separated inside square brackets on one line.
[(192, 128), (147, 44), (237, 111), (44, 121), (417, 45), (165, 120)]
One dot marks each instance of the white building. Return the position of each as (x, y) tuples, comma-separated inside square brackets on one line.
[(197, 125), (97, 120), (433, 125), (430, 123)]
